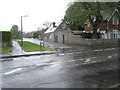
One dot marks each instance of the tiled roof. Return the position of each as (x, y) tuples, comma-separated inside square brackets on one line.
[(107, 13)]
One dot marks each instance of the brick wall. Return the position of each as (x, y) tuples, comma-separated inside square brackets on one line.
[(113, 27)]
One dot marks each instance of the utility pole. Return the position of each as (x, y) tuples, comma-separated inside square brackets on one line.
[(22, 29)]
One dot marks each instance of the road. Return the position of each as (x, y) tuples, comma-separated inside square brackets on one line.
[(77, 67)]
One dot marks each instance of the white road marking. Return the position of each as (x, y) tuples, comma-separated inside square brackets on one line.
[(115, 85), (87, 60), (98, 50), (70, 53), (71, 60), (61, 54), (78, 52), (109, 56), (105, 49), (81, 59), (15, 70)]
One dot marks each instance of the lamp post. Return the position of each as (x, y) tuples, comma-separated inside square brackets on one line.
[(22, 29)]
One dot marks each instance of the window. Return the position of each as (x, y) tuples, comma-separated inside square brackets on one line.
[(115, 20), (88, 25), (115, 34), (64, 26)]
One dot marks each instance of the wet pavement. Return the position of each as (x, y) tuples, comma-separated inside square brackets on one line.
[(73, 67), (16, 50)]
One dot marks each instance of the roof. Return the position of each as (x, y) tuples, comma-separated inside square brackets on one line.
[(52, 29), (116, 10), (106, 14)]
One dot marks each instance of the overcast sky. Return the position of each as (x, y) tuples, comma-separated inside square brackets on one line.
[(38, 11)]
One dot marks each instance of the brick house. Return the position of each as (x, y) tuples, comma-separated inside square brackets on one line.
[(109, 28), (58, 33)]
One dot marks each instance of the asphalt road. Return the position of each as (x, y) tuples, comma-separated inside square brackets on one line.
[(79, 67)]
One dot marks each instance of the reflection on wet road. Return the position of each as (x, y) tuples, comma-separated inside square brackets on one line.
[(73, 68)]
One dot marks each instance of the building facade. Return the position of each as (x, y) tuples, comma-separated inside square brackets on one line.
[(59, 33), (109, 28)]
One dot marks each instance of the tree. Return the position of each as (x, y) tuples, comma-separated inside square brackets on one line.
[(37, 33), (15, 32), (47, 24), (79, 12)]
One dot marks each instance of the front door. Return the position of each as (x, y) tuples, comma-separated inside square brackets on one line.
[(63, 39), (56, 39)]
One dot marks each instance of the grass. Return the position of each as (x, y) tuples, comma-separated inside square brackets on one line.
[(5, 49), (29, 47)]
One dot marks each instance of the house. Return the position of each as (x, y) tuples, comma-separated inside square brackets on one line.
[(58, 33), (109, 28)]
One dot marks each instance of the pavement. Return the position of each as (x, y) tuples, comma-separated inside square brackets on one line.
[(18, 52)]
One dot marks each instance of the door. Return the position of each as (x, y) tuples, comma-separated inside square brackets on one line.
[(56, 39), (63, 39)]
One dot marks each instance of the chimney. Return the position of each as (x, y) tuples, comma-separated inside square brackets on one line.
[(54, 24)]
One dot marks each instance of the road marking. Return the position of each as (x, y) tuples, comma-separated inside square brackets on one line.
[(70, 53), (98, 50), (15, 70), (61, 54), (115, 85), (109, 56), (81, 59), (78, 52), (71, 60), (87, 60)]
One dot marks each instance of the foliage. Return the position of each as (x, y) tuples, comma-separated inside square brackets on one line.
[(15, 32), (29, 35), (6, 36), (74, 16), (29, 47), (37, 33), (47, 24), (79, 12)]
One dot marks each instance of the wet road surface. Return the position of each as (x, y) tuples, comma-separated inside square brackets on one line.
[(80, 67)]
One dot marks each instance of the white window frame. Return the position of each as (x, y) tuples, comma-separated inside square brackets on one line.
[(115, 20), (88, 25)]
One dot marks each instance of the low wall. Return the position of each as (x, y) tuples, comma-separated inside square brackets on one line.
[(78, 40)]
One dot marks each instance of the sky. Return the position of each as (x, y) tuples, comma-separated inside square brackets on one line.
[(38, 11)]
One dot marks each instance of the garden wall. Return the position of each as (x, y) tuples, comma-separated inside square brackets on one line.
[(78, 40)]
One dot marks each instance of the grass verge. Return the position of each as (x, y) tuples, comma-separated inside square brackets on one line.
[(29, 47), (5, 49)]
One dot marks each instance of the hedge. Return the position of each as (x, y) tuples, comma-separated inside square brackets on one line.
[(6, 36)]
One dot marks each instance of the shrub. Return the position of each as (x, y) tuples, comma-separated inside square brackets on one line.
[(6, 37)]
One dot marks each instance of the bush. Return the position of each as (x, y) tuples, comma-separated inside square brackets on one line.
[(6, 37)]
